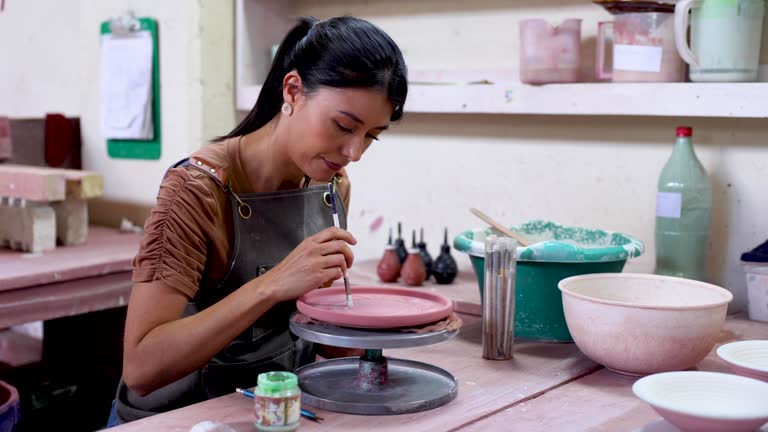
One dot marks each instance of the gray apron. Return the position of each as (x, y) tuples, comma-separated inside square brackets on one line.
[(267, 227)]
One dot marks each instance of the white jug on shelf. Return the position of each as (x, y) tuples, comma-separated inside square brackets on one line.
[(725, 38)]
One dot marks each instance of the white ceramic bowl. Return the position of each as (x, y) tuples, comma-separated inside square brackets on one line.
[(638, 324), (748, 358), (662, 425), (706, 401)]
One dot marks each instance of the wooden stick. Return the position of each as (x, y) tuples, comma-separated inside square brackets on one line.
[(502, 309), (499, 227), (499, 306)]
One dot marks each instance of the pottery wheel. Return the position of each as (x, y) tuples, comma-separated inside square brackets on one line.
[(373, 384), (346, 337)]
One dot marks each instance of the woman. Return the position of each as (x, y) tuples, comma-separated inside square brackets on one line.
[(238, 233)]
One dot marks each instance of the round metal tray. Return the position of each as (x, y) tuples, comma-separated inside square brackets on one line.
[(345, 337), (413, 387)]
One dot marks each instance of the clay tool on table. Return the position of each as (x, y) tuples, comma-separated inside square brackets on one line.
[(336, 223), (499, 227), (305, 413)]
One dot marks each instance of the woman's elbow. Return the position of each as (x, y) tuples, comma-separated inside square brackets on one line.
[(138, 379)]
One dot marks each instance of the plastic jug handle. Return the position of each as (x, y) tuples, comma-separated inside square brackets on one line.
[(600, 59), (682, 20)]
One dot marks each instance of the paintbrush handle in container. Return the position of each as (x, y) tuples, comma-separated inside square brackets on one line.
[(499, 298)]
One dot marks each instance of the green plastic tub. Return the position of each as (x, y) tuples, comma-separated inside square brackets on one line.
[(554, 253)]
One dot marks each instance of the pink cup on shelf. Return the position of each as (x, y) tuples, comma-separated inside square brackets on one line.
[(549, 54)]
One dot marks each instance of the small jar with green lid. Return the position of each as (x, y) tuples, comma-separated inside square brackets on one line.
[(277, 402)]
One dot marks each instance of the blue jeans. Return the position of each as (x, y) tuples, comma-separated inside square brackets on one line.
[(112, 417)]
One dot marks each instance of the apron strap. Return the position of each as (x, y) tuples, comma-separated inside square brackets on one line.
[(207, 169), (243, 208), (202, 167)]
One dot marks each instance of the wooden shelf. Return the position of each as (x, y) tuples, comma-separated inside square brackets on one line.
[(261, 23), (736, 100)]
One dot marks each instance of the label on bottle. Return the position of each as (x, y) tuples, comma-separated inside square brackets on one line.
[(669, 204), (639, 58)]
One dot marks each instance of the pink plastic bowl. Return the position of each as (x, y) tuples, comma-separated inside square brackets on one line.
[(638, 324)]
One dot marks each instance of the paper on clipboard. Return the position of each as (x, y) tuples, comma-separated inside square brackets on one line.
[(126, 86)]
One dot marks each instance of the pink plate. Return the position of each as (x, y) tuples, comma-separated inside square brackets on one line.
[(375, 307)]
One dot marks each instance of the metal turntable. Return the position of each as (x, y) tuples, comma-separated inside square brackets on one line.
[(373, 384)]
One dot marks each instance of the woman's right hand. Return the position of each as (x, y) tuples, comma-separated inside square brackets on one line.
[(316, 260)]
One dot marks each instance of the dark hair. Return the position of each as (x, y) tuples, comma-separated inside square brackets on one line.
[(338, 52)]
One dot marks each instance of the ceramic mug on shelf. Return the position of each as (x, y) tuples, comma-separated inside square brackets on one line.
[(549, 54), (643, 48), (725, 38)]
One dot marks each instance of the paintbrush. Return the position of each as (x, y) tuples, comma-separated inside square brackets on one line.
[(336, 223), (306, 413)]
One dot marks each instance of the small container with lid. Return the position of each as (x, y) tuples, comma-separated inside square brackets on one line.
[(277, 402), (756, 268)]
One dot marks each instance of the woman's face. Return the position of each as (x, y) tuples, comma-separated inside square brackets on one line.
[(332, 127)]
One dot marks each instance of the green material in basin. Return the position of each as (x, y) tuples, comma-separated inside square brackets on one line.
[(554, 253)]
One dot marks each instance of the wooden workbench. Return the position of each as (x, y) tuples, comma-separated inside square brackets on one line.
[(603, 401), (546, 387), (78, 292), (485, 387), (68, 280)]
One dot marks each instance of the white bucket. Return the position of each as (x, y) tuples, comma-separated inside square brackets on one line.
[(757, 290)]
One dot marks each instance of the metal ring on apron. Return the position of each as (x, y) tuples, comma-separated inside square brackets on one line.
[(336, 179), (244, 210)]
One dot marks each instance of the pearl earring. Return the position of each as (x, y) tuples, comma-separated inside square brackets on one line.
[(287, 109)]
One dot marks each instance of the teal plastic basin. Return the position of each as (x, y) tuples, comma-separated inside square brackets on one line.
[(555, 252)]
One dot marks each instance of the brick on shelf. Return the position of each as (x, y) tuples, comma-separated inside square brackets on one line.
[(63, 191), (28, 227)]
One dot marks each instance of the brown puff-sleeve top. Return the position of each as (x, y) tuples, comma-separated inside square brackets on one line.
[(187, 237)]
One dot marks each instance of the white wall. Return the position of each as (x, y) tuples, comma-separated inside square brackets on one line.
[(216, 27), (591, 171), (587, 171), (53, 47), (40, 70)]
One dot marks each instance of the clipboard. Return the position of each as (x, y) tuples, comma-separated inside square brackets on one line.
[(139, 149)]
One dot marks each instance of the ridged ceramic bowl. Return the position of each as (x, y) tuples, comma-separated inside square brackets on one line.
[(639, 324), (706, 401), (748, 358)]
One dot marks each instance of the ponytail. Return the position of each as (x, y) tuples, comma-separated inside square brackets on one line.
[(338, 52), (271, 95)]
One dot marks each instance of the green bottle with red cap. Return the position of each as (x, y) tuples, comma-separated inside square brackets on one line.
[(683, 207)]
